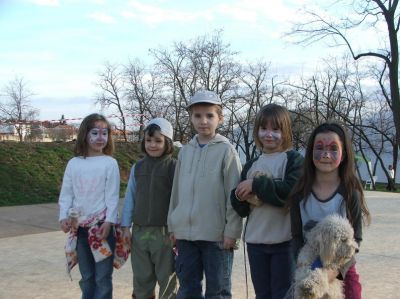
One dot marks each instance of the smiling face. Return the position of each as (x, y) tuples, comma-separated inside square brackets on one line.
[(270, 137), (154, 145), (205, 119), (327, 152), (97, 138)]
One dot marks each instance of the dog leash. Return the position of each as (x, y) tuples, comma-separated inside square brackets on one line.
[(244, 259)]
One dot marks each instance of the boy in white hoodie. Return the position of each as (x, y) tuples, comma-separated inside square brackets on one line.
[(201, 219)]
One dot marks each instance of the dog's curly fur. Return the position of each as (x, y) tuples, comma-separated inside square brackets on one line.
[(332, 240)]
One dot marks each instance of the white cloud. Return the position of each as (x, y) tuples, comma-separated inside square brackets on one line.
[(102, 17), (98, 2), (42, 56), (46, 2), (153, 15), (254, 10)]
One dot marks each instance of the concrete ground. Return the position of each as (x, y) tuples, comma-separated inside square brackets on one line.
[(32, 258)]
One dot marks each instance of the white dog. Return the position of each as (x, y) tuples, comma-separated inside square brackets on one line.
[(332, 240)]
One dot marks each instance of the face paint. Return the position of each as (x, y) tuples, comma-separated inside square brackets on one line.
[(330, 150), (262, 133), (97, 135)]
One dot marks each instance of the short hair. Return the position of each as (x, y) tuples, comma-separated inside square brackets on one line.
[(218, 107), (279, 117), (88, 123), (150, 130)]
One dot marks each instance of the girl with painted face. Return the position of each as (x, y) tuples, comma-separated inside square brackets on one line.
[(88, 207), (261, 196), (329, 185), (145, 212)]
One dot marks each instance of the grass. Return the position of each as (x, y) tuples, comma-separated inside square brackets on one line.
[(31, 173), (382, 187)]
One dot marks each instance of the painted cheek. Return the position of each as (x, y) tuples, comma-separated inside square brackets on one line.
[(92, 138), (276, 136), (317, 155), (268, 133), (98, 136), (334, 155)]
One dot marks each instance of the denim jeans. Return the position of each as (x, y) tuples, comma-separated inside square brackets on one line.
[(227, 278), (96, 282), (194, 258), (271, 268)]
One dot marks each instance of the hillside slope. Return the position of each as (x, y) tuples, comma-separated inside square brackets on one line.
[(32, 172)]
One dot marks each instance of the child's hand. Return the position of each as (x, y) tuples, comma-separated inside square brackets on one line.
[(172, 238), (126, 235), (244, 189), (65, 225), (104, 230), (229, 243)]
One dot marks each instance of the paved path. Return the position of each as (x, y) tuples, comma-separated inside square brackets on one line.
[(32, 260)]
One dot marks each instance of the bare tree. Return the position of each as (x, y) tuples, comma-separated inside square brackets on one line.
[(203, 63), (337, 93), (15, 108), (373, 14), (256, 88), (112, 92), (144, 93)]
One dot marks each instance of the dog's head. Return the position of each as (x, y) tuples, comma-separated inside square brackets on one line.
[(333, 238)]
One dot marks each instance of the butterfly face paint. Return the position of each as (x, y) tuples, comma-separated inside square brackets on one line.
[(98, 135), (327, 150)]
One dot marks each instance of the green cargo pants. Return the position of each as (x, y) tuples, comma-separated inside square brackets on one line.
[(152, 262)]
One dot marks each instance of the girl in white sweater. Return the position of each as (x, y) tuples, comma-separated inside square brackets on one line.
[(88, 206)]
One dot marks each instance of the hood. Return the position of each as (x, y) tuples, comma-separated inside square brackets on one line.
[(194, 144), (218, 138)]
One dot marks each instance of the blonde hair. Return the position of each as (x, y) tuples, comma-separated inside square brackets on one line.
[(279, 117)]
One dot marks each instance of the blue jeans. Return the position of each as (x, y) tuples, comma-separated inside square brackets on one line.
[(227, 278), (271, 268), (96, 282), (194, 258)]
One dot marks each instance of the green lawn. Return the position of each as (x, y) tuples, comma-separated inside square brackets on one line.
[(32, 173)]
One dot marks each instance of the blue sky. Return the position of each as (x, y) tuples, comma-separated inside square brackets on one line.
[(59, 46)]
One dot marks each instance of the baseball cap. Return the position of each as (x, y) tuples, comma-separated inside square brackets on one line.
[(165, 126), (205, 96)]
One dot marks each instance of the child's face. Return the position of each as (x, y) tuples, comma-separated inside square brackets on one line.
[(327, 152), (97, 138), (205, 120), (270, 138), (154, 145)]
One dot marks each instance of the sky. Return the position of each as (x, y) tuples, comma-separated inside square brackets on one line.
[(60, 46)]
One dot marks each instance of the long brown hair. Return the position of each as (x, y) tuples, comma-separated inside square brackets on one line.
[(279, 117), (88, 123), (347, 171)]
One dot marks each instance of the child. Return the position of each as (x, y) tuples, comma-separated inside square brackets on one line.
[(200, 216), (146, 206), (261, 197), (90, 193), (391, 181), (329, 186)]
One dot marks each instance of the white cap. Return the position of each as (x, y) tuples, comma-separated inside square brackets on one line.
[(205, 96), (165, 126)]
